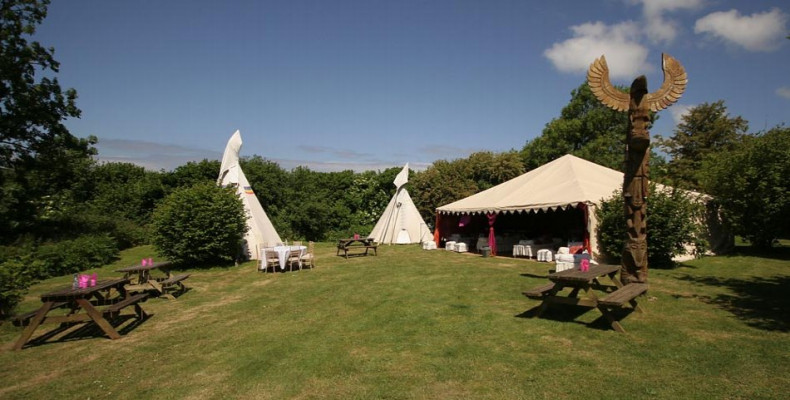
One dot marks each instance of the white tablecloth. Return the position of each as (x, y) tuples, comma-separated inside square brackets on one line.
[(524, 250), (284, 251)]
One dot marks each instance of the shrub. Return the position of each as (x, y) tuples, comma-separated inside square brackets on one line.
[(673, 222), (14, 281), (25, 262), (200, 224), (71, 256), (87, 221)]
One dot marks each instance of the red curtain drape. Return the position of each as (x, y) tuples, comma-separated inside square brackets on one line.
[(586, 226), (491, 237)]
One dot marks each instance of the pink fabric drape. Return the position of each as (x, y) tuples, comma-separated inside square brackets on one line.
[(586, 225), (436, 229), (491, 237)]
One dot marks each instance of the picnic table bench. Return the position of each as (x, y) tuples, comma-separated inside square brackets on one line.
[(141, 280), (539, 292), (24, 319), (91, 300), (588, 282), (345, 245)]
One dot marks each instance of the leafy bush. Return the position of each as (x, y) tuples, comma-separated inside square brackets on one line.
[(75, 222), (14, 281), (200, 224), (25, 262), (673, 222), (71, 256)]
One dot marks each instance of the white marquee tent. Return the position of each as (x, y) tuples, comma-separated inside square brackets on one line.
[(401, 223), (564, 183), (260, 227)]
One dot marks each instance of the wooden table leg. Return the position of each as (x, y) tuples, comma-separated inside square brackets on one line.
[(34, 323), (636, 307), (612, 320), (97, 317), (613, 278), (547, 299), (156, 286)]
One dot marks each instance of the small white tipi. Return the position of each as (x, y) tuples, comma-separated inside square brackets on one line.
[(260, 228), (401, 223)]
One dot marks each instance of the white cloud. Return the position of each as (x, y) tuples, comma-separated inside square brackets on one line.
[(624, 55), (783, 92), (756, 32), (151, 155), (658, 28), (337, 166), (341, 153), (679, 110), (158, 156)]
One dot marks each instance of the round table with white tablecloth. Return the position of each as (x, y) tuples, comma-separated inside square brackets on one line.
[(284, 251)]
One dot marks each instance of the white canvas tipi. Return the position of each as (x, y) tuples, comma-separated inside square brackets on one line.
[(401, 223), (260, 228)]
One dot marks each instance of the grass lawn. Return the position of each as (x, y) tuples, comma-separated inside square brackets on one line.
[(414, 324)]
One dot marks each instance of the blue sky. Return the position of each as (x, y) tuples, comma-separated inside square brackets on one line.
[(373, 84)]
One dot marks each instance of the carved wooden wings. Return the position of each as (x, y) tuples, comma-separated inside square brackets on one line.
[(602, 88), (675, 80)]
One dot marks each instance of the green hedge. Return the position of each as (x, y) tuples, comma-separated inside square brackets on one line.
[(72, 256), (26, 262), (673, 221)]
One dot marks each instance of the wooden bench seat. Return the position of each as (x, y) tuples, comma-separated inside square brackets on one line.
[(624, 294), (116, 308), (345, 247), (616, 300), (175, 279), (24, 319), (171, 285), (540, 291)]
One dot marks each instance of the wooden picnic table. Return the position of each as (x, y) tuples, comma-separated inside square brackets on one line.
[(589, 282), (345, 245), (108, 292), (141, 279)]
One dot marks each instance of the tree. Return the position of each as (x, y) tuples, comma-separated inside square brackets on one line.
[(706, 129), (201, 223), (269, 182), (126, 190), (442, 183), (751, 184), (39, 158), (488, 169), (31, 113), (586, 128), (191, 173)]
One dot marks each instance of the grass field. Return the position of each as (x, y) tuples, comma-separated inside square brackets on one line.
[(414, 324)]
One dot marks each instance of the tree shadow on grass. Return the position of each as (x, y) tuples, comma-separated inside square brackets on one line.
[(774, 253), (528, 275), (762, 303)]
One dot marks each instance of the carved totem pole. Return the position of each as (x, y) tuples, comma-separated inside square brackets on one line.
[(638, 103)]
